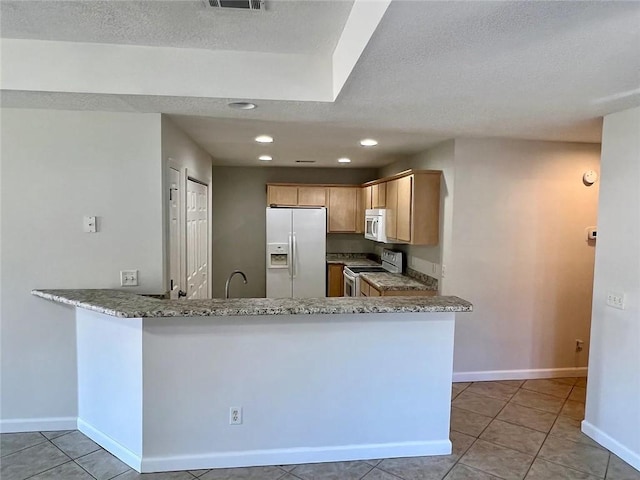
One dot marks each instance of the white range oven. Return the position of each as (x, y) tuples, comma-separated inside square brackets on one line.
[(391, 262)]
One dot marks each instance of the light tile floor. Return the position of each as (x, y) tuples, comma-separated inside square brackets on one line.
[(499, 430)]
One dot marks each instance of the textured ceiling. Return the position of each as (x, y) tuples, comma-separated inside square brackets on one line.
[(232, 140), (432, 70), (301, 26)]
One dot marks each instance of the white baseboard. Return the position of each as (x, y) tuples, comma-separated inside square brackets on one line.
[(483, 376), (632, 458), (109, 444), (53, 424), (290, 456)]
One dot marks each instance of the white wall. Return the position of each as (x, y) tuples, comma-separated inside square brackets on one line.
[(56, 167), (521, 257), (296, 409), (613, 391)]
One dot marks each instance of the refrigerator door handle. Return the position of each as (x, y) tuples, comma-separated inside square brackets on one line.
[(290, 266), (295, 254)]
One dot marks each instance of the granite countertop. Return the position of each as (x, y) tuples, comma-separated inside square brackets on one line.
[(385, 281), (351, 259), (129, 305)]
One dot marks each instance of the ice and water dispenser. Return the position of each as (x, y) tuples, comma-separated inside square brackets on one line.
[(277, 255)]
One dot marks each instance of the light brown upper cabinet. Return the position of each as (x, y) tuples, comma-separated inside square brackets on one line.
[(283, 195), (312, 196), (296, 195), (413, 208), (342, 209), (367, 194), (375, 195), (360, 210), (392, 209), (378, 195), (403, 217)]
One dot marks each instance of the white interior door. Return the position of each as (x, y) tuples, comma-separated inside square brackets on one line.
[(197, 240), (175, 238)]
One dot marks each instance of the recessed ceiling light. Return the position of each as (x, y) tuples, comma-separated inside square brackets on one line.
[(242, 105), (344, 160), (368, 142), (265, 158), (264, 139)]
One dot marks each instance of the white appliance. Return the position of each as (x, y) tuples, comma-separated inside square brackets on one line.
[(296, 252), (374, 220), (391, 262)]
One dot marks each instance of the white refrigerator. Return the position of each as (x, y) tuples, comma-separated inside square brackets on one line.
[(296, 252)]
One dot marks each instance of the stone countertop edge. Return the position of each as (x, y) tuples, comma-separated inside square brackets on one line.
[(387, 281), (129, 305)]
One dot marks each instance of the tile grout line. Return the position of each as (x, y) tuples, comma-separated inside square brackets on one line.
[(483, 430), (72, 459), (369, 471), (55, 466), (23, 449), (558, 415), (606, 471)]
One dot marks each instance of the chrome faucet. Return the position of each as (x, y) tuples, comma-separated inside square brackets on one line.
[(226, 286)]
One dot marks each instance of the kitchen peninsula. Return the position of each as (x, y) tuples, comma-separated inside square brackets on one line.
[(176, 385)]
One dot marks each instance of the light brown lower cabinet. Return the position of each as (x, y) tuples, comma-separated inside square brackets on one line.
[(335, 282), (368, 290)]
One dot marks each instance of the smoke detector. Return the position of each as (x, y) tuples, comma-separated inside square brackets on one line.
[(256, 5)]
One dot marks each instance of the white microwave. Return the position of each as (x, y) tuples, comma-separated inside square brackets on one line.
[(374, 220)]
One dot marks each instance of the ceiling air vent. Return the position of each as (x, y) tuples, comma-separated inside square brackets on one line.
[(236, 4), (305, 161)]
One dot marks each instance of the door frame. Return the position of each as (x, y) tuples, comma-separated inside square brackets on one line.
[(190, 176), (181, 233), (185, 175)]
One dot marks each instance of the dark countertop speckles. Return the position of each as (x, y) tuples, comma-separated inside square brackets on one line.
[(128, 305)]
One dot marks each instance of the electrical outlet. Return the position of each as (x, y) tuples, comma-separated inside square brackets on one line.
[(615, 300), (235, 415), (442, 271), (579, 345), (129, 278)]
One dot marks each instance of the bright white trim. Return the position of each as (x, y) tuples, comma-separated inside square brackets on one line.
[(58, 66), (484, 376), (611, 444), (109, 444), (290, 456), (52, 424), (364, 18)]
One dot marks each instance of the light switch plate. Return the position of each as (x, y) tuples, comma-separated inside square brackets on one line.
[(129, 278), (89, 224)]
